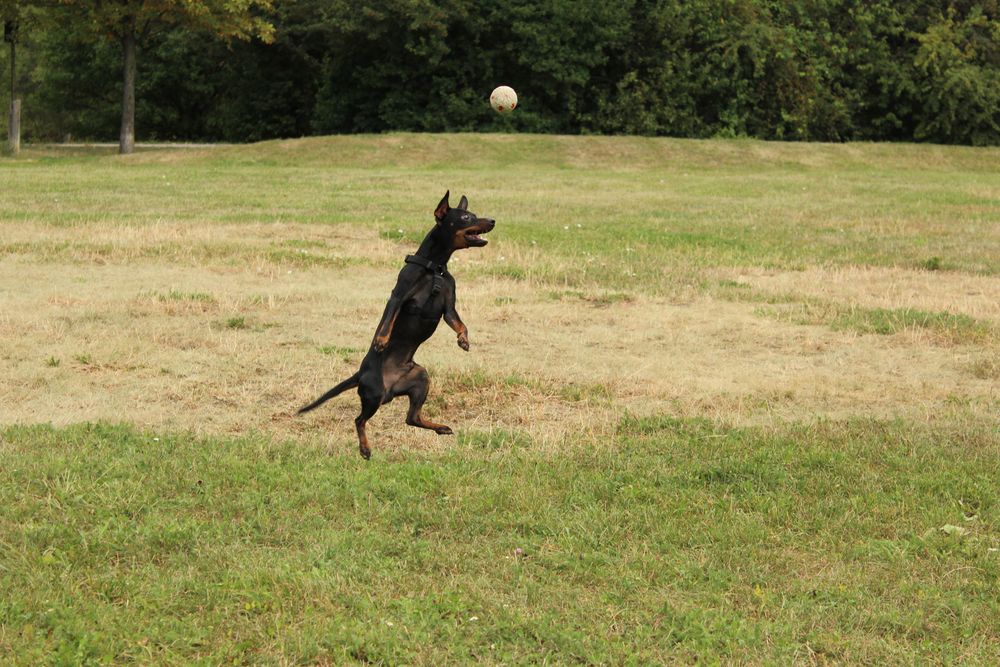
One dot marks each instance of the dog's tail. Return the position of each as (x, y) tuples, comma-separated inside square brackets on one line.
[(349, 383)]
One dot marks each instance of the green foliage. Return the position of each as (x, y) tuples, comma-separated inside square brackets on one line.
[(958, 65), (235, 19), (829, 70)]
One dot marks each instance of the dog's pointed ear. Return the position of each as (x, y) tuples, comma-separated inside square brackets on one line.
[(443, 208), (463, 204)]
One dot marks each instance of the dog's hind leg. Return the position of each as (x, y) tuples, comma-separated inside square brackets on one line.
[(416, 385), (368, 408), (371, 400)]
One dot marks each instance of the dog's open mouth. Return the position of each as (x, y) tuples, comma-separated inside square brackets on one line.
[(473, 238)]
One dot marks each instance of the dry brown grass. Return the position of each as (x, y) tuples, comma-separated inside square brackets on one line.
[(883, 287), (147, 342)]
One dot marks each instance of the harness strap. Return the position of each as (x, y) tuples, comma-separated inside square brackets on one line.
[(436, 271)]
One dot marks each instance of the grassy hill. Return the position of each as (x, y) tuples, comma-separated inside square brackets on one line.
[(726, 400)]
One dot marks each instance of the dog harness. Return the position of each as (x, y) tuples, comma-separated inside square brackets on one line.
[(437, 272)]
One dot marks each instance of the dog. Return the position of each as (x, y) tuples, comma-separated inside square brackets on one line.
[(424, 293)]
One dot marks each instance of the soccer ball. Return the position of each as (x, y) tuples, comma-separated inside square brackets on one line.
[(503, 99)]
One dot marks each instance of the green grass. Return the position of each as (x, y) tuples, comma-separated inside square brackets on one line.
[(674, 540), (641, 537), (886, 321), (176, 295), (83, 359), (611, 213), (944, 327), (346, 354)]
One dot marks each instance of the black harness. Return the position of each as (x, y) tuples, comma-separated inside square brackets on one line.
[(437, 272)]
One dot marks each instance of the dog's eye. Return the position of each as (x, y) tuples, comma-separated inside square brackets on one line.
[(465, 218)]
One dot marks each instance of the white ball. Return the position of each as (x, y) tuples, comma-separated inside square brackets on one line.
[(503, 99)]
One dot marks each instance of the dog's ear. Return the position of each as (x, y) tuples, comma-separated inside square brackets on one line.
[(463, 204), (443, 208)]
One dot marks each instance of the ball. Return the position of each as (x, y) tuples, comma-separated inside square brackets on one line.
[(503, 99)]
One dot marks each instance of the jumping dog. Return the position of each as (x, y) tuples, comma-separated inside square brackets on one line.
[(424, 293)]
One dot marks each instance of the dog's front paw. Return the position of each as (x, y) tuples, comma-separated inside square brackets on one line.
[(463, 341), (381, 342)]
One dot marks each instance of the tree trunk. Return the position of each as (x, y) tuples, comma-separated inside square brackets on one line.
[(126, 140), (14, 127), (14, 123)]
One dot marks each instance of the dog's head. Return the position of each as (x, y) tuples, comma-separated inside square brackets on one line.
[(461, 225)]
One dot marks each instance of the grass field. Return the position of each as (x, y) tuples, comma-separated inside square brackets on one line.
[(726, 401)]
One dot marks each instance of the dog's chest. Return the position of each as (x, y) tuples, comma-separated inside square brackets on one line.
[(428, 302)]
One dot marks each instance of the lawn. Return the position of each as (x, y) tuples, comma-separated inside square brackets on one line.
[(726, 401)]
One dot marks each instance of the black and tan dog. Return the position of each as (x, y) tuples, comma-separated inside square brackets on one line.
[(424, 293)]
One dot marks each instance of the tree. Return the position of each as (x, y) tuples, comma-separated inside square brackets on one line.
[(831, 70), (132, 22), (11, 14), (958, 66)]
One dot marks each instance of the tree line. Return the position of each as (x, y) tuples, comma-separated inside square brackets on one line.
[(246, 70)]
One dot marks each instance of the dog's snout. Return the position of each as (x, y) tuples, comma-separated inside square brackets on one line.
[(490, 224)]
